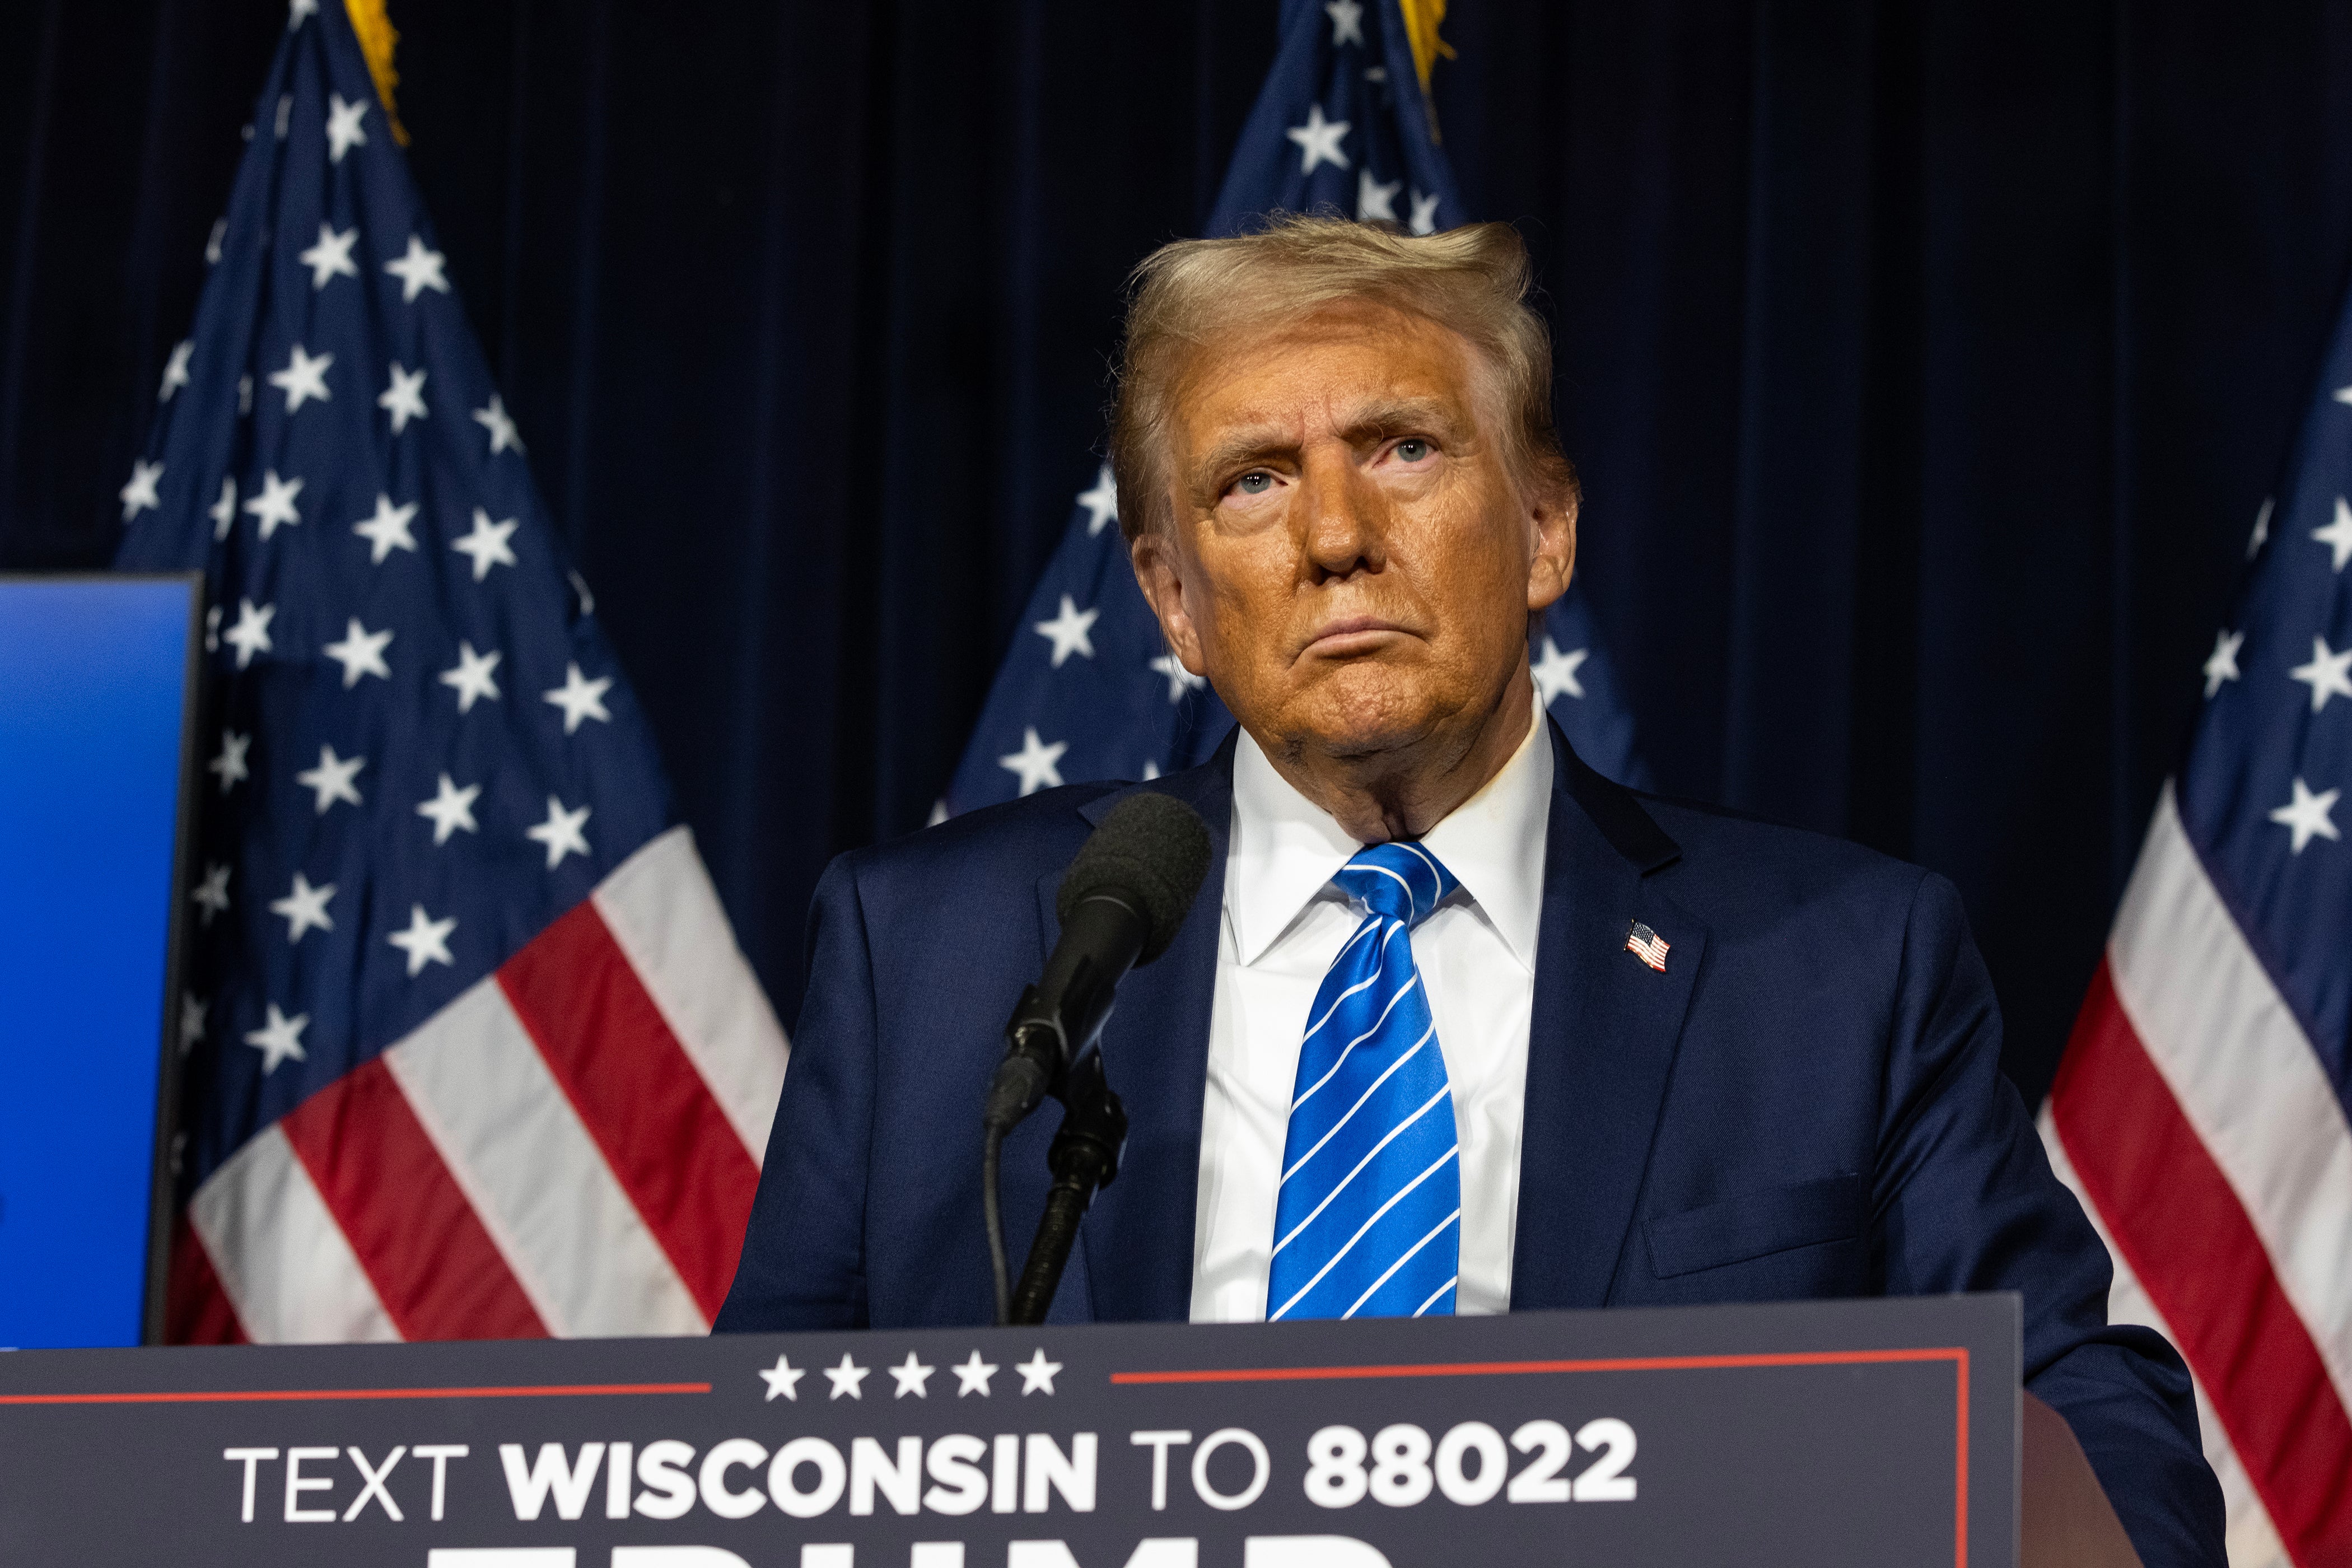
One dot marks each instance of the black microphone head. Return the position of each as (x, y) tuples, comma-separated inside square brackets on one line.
[(1151, 847)]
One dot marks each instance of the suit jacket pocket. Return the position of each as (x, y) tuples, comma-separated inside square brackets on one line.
[(1756, 1223)]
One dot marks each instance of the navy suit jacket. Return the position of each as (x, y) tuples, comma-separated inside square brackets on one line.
[(1806, 1103)]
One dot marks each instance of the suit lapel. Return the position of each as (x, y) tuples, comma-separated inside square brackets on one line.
[(1137, 1243), (1602, 1044)]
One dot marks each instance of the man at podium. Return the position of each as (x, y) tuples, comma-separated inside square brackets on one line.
[(1457, 1025)]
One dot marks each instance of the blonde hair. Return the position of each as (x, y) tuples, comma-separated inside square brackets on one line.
[(1472, 280)]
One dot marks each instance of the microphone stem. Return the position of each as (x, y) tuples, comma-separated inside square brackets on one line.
[(992, 1203)]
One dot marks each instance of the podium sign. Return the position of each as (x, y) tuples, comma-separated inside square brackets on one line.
[(1861, 1432)]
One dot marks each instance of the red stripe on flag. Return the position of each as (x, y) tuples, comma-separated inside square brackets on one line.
[(668, 1144), (435, 1267), (196, 1310), (2185, 1234)]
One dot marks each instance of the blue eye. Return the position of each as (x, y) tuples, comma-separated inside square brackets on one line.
[(1255, 484), (1413, 449)]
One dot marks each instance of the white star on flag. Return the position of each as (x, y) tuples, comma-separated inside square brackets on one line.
[(192, 1024), (487, 544), (911, 1376), (360, 653), (251, 633), (275, 505), (175, 369), (2222, 663), (474, 677), (1101, 502), (139, 494), (403, 399), (501, 426), (2337, 535), (1069, 631), (343, 131), (561, 832), (783, 1378), (224, 511), (846, 1378), (2262, 528), (580, 698), (1424, 213), (331, 257), (1035, 762), (417, 271), (1347, 22), (304, 378), (1555, 672), (1179, 679), (230, 764), (1037, 1374), (330, 781), (1375, 200), (211, 895), (282, 1037), (2306, 815), (387, 530), (972, 1376), (2325, 674), (304, 908), (450, 809), (426, 941), (1319, 140)]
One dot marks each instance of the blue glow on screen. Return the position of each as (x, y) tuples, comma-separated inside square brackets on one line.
[(92, 678)]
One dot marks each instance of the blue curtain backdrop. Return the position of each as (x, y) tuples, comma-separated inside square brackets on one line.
[(1926, 365)]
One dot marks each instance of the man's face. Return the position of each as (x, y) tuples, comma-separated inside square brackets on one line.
[(1352, 561)]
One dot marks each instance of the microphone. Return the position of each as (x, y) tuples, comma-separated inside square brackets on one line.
[(1120, 902)]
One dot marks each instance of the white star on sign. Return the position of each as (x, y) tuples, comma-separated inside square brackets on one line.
[(1037, 1374), (2306, 815), (1347, 22), (1424, 213), (426, 941), (2325, 674), (1179, 679), (501, 426), (139, 495), (304, 907), (404, 398), (2222, 663), (230, 764), (2262, 528), (387, 530), (1069, 631), (474, 677), (360, 653), (251, 633), (911, 1376), (450, 809), (580, 698), (192, 1021), (1555, 672), (212, 894), (845, 1378), (281, 1038), (1101, 502), (175, 369), (224, 511), (2337, 535), (783, 1378), (1035, 762), (1319, 140), (1375, 200), (417, 271), (487, 544), (331, 257), (303, 378), (275, 504), (561, 832), (330, 781), (972, 1376), (343, 131)]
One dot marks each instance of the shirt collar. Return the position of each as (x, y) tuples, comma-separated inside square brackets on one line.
[(1285, 848)]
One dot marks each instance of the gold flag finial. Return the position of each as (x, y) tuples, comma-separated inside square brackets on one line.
[(1421, 20), (378, 38)]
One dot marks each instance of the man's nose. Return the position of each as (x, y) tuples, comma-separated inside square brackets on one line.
[(1340, 514)]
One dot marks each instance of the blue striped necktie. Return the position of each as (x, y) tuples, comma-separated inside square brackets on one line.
[(1368, 1218)]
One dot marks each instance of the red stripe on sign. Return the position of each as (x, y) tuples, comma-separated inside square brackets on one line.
[(670, 1145), (196, 1310), (2182, 1229), (435, 1267)]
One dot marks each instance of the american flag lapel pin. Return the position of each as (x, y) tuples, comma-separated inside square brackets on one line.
[(1646, 945)]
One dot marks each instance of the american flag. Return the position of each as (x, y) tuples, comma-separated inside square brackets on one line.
[(1089, 689), (470, 1049), (2200, 1109)]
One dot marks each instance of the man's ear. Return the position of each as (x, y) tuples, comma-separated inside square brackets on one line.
[(1160, 574), (1555, 556)]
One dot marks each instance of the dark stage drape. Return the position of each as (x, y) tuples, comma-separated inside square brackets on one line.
[(1926, 365)]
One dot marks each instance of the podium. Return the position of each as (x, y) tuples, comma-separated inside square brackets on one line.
[(1864, 1432)]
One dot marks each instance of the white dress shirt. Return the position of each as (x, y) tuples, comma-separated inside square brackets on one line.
[(1283, 923)]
